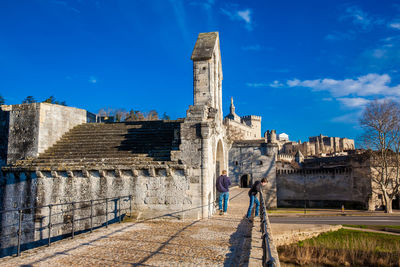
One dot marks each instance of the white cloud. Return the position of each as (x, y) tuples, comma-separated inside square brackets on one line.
[(350, 118), (65, 4), (276, 84), (256, 85), (207, 4), (368, 85), (354, 102), (361, 18), (239, 15), (395, 25), (180, 16), (245, 15), (379, 53)]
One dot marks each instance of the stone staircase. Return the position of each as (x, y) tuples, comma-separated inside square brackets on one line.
[(126, 143)]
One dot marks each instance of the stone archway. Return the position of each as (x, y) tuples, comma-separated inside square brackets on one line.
[(245, 181), (219, 159), (219, 164)]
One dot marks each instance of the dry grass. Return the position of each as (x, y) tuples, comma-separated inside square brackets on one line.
[(374, 227), (345, 248)]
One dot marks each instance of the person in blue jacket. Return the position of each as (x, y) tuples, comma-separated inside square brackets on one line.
[(222, 184)]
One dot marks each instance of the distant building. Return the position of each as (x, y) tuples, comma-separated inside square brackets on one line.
[(283, 137), (242, 128)]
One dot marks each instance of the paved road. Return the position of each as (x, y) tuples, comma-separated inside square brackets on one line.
[(367, 220)]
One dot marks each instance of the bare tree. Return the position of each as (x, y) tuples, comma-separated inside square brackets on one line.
[(152, 115), (135, 115), (381, 123), (120, 115)]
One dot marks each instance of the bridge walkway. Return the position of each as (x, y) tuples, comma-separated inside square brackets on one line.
[(218, 241)]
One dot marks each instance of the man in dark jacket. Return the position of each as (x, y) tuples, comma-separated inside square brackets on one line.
[(222, 184), (255, 188)]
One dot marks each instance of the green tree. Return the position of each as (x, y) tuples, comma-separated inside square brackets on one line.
[(2, 101), (52, 100), (166, 117), (29, 99)]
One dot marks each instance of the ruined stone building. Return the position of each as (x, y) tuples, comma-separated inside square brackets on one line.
[(54, 154)]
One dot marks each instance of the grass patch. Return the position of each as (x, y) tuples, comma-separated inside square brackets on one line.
[(373, 227), (345, 247)]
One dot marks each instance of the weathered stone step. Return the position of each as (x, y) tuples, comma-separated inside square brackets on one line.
[(128, 127), (94, 162), (136, 132), (114, 141), (119, 136), (97, 155), (103, 149), (61, 160), (153, 145)]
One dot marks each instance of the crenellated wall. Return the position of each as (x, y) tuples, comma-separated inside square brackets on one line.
[(326, 182)]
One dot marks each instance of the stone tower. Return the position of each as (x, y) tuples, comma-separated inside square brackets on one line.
[(207, 72), (204, 146)]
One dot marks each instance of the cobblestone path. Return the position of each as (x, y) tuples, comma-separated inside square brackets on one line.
[(218, 241)]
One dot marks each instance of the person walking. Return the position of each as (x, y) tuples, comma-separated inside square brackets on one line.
[(255, 188), (222, 184)]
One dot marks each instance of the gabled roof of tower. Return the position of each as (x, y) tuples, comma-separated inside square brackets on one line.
[(204, 47)]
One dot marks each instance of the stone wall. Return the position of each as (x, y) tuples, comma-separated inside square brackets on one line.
[(331, 185), (157, 191), (240, 131), (23, 131), (4, 128), (254, 160), (56, 120), (32, 128)]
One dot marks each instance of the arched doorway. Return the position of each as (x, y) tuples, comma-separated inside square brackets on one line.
[(219, 165), (219, 159), (245, 181)]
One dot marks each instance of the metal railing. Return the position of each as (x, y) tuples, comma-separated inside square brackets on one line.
[(70, 218), (267, 260)]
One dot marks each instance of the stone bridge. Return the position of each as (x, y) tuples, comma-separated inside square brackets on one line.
[(215, 241)]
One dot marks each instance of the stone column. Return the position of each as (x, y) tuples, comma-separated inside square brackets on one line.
[(205, 165)]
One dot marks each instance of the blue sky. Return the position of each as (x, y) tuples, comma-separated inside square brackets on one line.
[(306, 67)]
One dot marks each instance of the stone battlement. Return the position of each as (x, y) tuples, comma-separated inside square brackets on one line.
[(251, 117)]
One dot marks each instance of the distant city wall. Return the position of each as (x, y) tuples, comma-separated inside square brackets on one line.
[(330, 187)]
